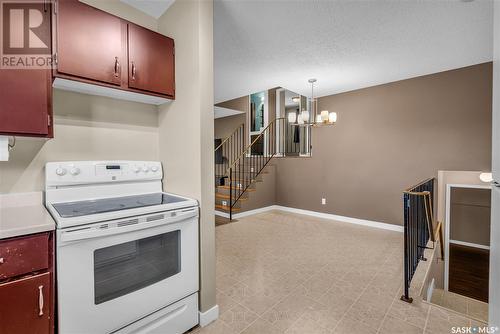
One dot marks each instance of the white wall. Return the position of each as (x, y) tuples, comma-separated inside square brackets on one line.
[(186, 125), (85, 128), (494, 288)]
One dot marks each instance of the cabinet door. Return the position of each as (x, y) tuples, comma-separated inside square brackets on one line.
[(151, 61), (26, 305), (25, 107), (90, 43)]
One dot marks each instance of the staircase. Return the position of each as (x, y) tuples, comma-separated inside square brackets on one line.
[(238, 167)]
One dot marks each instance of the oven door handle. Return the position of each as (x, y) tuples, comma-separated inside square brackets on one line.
[(96, 232)]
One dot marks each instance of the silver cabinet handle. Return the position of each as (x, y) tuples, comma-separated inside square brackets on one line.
[(117, 67), (133, 71), (40, 300)]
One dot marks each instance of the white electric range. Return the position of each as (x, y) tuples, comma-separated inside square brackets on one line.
[(127, 253)]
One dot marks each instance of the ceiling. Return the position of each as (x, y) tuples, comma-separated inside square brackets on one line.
[(154, 8), (220, 112), (346, 45)]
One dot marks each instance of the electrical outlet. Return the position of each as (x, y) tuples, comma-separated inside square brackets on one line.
[(224, 203), (323, 201)]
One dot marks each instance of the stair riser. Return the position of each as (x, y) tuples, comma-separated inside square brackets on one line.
[(219, 201)]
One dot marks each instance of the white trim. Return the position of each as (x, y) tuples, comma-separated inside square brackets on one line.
[(247, 213), (329, 216), (430, 290), (209, 316), (447, 237), (447, 225), (469, 244), (357, 221), (89, 89)]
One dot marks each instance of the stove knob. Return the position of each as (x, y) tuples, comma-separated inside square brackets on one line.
[(145, 169), (136, 169), (61, 171), (154, 169), (74, 171)]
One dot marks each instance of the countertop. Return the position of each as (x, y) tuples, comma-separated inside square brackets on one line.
[(22, 214)]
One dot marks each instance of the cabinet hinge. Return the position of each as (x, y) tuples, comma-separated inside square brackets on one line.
[(55, 58), (49, 120), (55, 7)]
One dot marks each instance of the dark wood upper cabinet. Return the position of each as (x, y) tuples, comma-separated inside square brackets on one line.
[(150, 61), (26, 102), (25, 88), (90, 43), (95, 47)]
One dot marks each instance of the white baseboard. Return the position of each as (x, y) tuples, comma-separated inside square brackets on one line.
[(247, 213), (329, 216), (469, 244), (209, 316), (430, 290)]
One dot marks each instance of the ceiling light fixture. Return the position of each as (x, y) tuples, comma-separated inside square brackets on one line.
[(486, 177), (323, 118), (313, 118), (296, 99)]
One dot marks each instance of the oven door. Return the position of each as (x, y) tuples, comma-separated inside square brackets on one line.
[(113, 273)]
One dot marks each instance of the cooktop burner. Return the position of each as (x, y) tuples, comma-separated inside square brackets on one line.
[(90, 207)]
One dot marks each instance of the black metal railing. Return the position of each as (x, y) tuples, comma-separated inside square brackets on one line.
[(418, 228), (237, 166), (227, 151), (245, 170)]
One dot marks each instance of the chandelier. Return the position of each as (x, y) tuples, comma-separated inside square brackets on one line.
[(313, 118)]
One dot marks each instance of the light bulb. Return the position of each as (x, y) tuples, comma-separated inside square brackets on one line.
[(324, 115), (292, 117), (332, 117), (486, 177), (318, 119), (300, 120), (305, 115)]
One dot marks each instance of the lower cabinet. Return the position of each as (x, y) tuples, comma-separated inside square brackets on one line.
[(26, 305), (27, 284)]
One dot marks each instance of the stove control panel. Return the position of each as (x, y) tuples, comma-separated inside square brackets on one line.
[(88, 172)]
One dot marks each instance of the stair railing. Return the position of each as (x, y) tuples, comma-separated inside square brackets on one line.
[(227, 152), (249, 165), (418, 229)]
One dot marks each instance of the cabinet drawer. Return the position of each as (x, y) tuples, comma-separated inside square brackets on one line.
[(24, 255)]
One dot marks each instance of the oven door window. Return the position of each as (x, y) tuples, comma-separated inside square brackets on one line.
[(131, 266)]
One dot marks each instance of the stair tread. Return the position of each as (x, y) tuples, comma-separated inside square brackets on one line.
[(224, 196), (227, 187)]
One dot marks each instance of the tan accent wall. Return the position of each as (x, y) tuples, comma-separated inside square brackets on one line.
[(225, 126), (470, 215), (85, 128), (186, 132), (446, 177), (265, 191), (388, 138)]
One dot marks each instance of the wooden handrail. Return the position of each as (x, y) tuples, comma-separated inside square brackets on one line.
[(253, 142), (409, 190)]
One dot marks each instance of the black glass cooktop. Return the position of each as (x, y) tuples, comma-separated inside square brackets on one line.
[(84, 208)]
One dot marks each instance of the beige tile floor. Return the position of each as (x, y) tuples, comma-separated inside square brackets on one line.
[(285, 273), (468, 306)]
